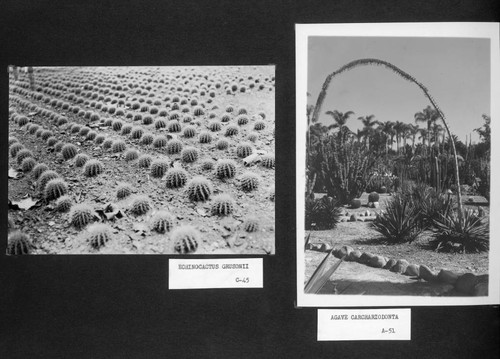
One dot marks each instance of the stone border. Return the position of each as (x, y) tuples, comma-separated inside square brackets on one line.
[(466, 284)]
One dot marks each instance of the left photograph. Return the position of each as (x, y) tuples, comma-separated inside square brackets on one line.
[(141, 160)]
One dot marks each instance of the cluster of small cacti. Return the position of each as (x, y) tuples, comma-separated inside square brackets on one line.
[(45, 177), (22, 154), (179, 105)]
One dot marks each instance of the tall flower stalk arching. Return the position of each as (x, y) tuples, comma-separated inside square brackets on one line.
[(376, 62)]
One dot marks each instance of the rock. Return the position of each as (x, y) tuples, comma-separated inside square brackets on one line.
[(345, 251), (370, 204), (365, 258), (360, 219), (377, 262), (376, 204), (344, 220), (412, 270), (353, 218), (367, 213), (354, 256), (400, 266), (390, 263), (361, 214), (426, 274), (369, 219), (480, 290), (337, 252), (465, 283), (446, 276)]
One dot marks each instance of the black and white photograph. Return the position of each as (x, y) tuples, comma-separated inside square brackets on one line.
[(141, 160), (394, 164)]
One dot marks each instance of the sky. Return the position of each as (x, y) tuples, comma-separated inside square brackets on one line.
[(456, 71)]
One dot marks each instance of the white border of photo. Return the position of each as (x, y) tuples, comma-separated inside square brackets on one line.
[(457, 30)]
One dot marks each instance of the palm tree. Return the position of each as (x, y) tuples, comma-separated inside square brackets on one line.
[(339, 118), (368, 126), (399, 128), (387, 127), (413, 130), (429, 116), (370, 61)]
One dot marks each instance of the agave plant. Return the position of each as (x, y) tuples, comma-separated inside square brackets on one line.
[(321, 275), (401, 222), (469, 235), (322, 213)]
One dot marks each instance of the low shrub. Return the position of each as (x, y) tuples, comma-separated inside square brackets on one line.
[(322, 214)]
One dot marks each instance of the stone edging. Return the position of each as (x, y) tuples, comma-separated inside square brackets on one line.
[(466, 284)]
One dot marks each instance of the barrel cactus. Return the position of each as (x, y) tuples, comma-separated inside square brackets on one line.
[(19, 243), (249, 181), (81, 215), (55, 188), (186, 239), (176, 177), (99, 234), (140, 205), (162, 222), (222, 205), (199, 189)]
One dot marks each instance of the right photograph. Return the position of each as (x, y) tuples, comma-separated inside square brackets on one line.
[(394, 164)]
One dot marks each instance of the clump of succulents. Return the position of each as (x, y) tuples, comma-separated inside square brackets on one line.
[(39, 169), (45, 177), (22, 154)]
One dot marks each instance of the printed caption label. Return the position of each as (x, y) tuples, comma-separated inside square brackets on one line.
[(215, 273), (364, 324)]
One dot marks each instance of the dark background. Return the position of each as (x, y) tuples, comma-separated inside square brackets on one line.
[(119, 306)]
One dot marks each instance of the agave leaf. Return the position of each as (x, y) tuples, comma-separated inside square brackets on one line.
[(321, 275)]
